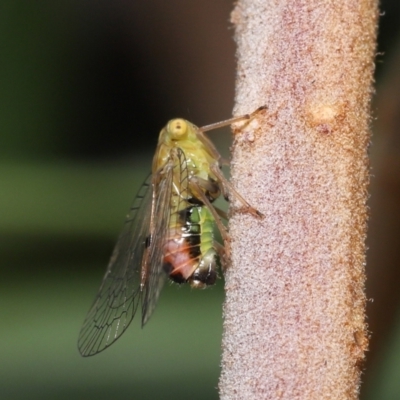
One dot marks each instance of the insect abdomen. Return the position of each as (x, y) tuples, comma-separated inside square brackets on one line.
[(206, 272), (189, 254)]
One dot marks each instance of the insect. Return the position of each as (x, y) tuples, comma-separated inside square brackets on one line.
[(168, 232)]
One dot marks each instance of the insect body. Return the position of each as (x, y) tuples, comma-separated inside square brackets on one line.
[(168, 232)]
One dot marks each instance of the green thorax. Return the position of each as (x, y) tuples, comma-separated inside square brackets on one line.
[(183, 134)]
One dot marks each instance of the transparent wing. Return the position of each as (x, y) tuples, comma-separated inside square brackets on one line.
[(118, 297), (135, 272), (169, 195)]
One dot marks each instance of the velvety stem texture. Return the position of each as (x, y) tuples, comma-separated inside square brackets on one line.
[(295, 305)]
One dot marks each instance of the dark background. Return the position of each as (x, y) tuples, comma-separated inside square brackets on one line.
[(85, 87)]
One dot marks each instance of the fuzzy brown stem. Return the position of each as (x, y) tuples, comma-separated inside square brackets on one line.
[(295, 305)]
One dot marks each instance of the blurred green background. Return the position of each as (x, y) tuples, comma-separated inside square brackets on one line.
[(85, 89)]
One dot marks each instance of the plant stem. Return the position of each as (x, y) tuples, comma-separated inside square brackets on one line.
[(295, 305)]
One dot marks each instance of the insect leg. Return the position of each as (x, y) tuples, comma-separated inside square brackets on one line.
[(196, 188), (224, 255), (206, 141), (221, 213), (231, 121), (211, 187), (228, 190)]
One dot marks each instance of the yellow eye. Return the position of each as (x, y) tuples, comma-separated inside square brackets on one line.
[(177, 128)]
